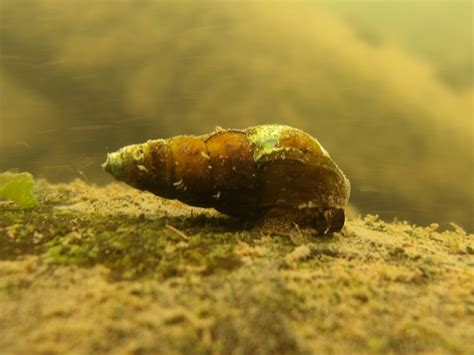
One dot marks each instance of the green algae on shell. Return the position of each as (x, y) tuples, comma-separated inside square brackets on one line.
[(263, 171)]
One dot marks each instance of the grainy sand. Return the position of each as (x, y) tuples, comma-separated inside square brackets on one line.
[(113, 270)]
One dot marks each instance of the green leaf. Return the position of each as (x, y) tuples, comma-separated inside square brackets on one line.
[(19, 188)]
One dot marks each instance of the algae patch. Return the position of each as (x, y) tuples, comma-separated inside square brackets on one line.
[(18, 187)]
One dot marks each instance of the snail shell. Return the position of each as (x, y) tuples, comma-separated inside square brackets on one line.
[(268, 170)]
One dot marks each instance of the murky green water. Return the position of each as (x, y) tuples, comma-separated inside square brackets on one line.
[(386, 87)]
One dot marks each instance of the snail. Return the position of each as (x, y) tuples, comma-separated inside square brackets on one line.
[(267, 171)]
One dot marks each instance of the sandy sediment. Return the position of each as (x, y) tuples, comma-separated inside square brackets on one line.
[(111, 269)]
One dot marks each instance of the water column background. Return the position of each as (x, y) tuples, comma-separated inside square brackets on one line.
[(387, 88)]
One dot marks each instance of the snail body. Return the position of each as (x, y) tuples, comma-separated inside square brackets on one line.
[(260, 171)]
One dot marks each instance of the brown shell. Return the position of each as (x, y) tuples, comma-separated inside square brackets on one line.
[(263, 170)]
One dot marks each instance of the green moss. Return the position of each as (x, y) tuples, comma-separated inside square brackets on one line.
[(376, 344), (19, 188), (69, 254), (129, 248)]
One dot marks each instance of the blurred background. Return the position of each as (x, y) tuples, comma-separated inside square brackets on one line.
[(386, 86)]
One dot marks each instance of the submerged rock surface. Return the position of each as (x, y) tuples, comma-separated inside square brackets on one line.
[(112, 269)]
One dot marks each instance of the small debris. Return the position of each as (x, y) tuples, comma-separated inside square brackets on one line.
[(178, 232)]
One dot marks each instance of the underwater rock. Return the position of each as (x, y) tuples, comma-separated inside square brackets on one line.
[(272, 171)]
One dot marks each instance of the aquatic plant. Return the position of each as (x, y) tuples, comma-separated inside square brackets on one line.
[(19, 188)]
